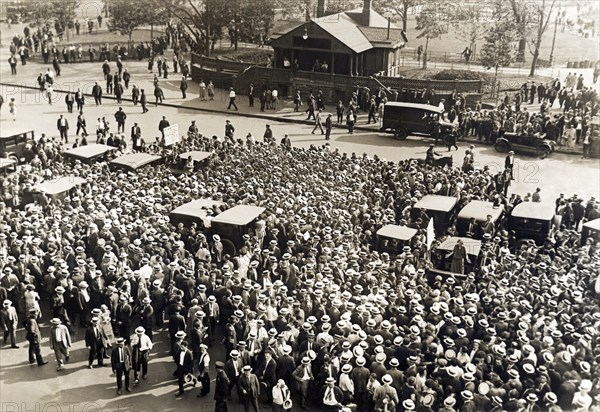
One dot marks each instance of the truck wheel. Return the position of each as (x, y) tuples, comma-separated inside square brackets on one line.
[(400, 134), (502, 146), (228, 247), (543, 152)]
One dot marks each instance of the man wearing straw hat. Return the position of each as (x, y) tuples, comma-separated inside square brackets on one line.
[(121, 364), (60, 342)]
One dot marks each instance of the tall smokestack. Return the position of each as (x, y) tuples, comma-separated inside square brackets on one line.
[(321, 8), (366, 13)]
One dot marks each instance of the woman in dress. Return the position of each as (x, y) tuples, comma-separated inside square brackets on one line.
[(211, 90), (106, 327), (459, 255), (32, 299)]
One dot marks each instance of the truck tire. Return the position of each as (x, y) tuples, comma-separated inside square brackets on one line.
[(400, 133)]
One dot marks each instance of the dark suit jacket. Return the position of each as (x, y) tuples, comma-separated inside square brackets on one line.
[(92, 339), (188, 363), (114, 359), (250, 384), (176, 323), (285, 367), (268, 372), (66, 126)]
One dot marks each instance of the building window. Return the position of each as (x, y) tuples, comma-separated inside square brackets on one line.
[(312, 43)]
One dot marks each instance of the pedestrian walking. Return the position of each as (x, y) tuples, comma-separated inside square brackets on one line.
[(350, 119), (126, 78), (69, 101), (210, 88), (185, 365), (328, 126), (141, 345), (12, 108), (10, 322), (121, 364), (81, 124), (80, 100), (94, 341), (120, 117), (62, 125), (97, 93), (183, 87), (232, 99), (318, 123), (135, 95), (158, 95), (34, 337), (143, 101), (60, 342)]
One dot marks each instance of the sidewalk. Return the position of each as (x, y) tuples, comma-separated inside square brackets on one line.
[(83, 75)]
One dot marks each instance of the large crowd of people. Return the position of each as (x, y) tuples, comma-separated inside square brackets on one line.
[(310, 313)]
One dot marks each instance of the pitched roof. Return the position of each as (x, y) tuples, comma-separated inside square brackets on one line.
[(344, 29), (375, 19), (380, 35), (282, 27)]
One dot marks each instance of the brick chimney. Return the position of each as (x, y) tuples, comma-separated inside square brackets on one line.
[(321, 8), (366, 13)]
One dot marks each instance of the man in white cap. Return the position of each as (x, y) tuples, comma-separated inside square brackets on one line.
[(332, 396), (60, 342), (582, 400), (385, 396), (95, 338), (10, 322), (121, 364), (147, 316), (141, 345), (203, 368)]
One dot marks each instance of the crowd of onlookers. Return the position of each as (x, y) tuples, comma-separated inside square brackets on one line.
[(308, 307)]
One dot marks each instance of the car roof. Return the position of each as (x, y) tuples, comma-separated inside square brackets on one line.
[(420, 106), (479, 209), (197, 155), (534, 210), (60, 185), (397, 232), (89, 151), (473, 246), (8, 132), (593, 224), (437, 203), (239, 215), (196, 208), (7, 162), (134, 160)]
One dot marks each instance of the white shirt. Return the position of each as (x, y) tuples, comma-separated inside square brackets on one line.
[(58, 335), (181, 357), (231, 94)]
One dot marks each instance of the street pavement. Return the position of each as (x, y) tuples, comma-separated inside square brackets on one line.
[(24, 387)]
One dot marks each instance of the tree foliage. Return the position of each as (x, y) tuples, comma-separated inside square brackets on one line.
[(398, 8), (498, 49), (126, 16), (49, 12), (431, 23), (542, 13)]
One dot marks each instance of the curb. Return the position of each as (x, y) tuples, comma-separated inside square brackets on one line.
[(257, 115)]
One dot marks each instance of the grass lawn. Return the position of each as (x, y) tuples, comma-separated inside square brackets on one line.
[(568, 46), (104, 36)]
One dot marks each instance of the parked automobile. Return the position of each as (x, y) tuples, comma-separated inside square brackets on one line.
[(441, 209), (590, 230), (533, 145), (531, 220), (478, 210), (393, 238), (196, 157), (404, 119), (13, 143), (233, 224), (199, 211)]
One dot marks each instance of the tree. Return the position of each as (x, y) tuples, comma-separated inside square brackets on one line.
[(204, 21), (543, 14), (396, 7), (431, 25), (498, 50), (61, 13), (255, 20), (470, 23), (126, 16)]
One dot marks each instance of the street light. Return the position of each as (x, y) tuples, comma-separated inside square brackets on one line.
[(305, 34)]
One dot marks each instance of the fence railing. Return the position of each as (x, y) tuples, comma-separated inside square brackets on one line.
[(246, 73)]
